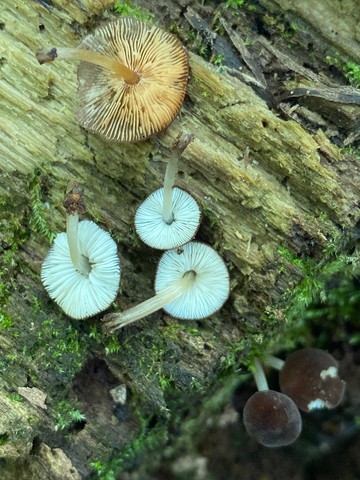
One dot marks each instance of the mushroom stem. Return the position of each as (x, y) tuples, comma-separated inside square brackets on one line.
[(81, 263), (169, 181), (151, 305), (274, 362), (179, 146), (259, 376), (117, 69)]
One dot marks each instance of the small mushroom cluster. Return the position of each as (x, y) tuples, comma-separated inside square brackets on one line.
[(308, 380), (192, 281), (132, 82)]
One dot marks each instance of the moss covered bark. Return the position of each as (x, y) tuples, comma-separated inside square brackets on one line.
[(277, 202)]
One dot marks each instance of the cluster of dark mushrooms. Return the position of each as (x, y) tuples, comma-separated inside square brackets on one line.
[(132, 82), (308, 380)]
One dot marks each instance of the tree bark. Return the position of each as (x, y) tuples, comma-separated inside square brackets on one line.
[(277, 201)]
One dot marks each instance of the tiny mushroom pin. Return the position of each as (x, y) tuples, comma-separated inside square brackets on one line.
[(169, 217), (271, 417), (132, 79), (82, 270), (310, 377), (191, 284)]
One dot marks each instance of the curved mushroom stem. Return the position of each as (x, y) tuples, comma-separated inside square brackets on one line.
[(113, 65), (259, 376), (170, 175), (81, 263), (151, 305), (274, 362)]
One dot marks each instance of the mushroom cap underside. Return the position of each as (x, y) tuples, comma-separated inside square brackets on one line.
[(131, 112), (211, 285), (78, 295), (155, 232)]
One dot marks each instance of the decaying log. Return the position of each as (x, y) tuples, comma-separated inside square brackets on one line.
[(272, 196)]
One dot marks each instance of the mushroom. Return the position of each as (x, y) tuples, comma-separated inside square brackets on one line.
[(82, 270), (132, 79), (271, 417), (169, 217), (310, 377), (191, 283)]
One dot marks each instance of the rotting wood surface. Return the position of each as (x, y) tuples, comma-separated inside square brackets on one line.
[(262, 183)]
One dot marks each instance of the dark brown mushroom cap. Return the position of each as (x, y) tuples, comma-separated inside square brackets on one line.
[(310, 377), (125, 112), (272, 418)]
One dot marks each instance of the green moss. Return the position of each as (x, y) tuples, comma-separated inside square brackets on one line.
[(351, 151), (112, 344), (15, 397), (57, 346), (66, 415), (289, 256), (235, 5), (148, 441), (39, 217), (350, 69), (172, 331), (13, 234), (127, 8), (4, 438), (5, 322)]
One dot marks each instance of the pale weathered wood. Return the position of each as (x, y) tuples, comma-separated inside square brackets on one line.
[(338, 22), (293, 190)]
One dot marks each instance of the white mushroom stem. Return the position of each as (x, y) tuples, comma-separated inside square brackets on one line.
[(81, 263), (274, 362), (259, 376), (169, 181), (112, 64), (151, 305), (179, 146)]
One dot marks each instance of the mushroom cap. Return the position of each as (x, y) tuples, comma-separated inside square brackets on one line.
[(155, 232), (310, 377), (211, 285), (128, 113), (78, 295), (272, 418)]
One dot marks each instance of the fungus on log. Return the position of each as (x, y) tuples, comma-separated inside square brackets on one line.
[(292, 198)]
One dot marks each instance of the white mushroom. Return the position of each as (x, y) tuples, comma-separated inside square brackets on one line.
[(169, 217), (155, 231), (191, 283), (82, 270)]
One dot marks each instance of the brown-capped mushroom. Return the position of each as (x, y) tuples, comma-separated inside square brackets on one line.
[(310, 377), (132, 79), (271, 417)]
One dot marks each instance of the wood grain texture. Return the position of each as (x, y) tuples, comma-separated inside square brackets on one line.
[(294, 191)]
